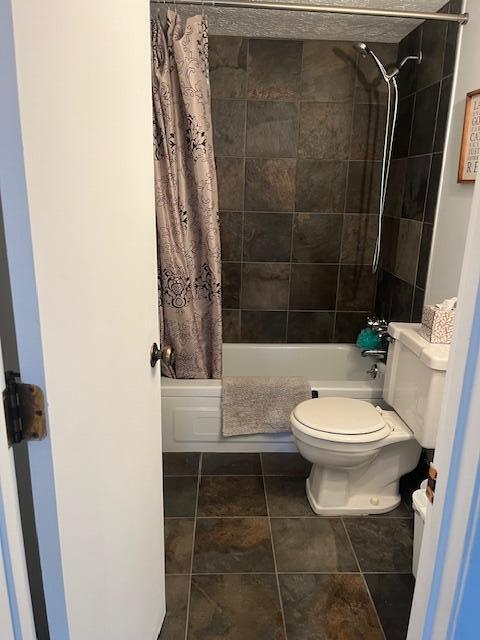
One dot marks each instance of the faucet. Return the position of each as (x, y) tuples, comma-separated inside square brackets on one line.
[(381, 354), (379, 325)]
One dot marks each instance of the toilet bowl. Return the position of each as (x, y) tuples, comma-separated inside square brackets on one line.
[(359, 452), (358, 455)]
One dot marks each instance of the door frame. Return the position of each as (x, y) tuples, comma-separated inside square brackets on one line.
[(15, 601), (450, 521)]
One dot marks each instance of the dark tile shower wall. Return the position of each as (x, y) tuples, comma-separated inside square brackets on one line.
[(298, 138), (418, 151)]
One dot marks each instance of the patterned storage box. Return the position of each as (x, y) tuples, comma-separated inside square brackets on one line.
[(437, 324)]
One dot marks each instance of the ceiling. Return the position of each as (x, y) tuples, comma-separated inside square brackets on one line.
[(257, 23)]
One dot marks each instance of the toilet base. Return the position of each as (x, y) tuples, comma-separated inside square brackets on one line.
[(363, 504), (357, 479)]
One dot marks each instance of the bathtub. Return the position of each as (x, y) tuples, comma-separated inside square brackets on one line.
[(191, 412)]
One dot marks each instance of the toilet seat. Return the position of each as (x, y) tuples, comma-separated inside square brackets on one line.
[(340, 420)]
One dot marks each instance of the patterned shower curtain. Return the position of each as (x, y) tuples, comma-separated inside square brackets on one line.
[(188, 234)]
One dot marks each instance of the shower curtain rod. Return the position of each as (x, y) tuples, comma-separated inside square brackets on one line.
[(461, 18)]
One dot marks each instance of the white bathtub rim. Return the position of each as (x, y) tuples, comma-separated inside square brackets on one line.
[(363, 389)]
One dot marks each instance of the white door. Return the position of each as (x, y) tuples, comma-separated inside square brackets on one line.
[(76, 178), (16, 617)]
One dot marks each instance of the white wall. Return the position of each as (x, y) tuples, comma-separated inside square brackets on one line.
[(453, 213)]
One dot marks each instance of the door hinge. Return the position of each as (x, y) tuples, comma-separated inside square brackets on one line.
[(24, 410), (431, 483)]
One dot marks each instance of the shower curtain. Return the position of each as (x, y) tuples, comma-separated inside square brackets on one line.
[(188, 234)]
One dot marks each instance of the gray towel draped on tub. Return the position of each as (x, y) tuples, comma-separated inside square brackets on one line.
[(260, 404)]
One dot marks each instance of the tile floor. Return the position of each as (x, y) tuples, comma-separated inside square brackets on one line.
[(247, 559)]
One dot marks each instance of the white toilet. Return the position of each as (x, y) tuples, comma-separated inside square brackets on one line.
[(359, 452)]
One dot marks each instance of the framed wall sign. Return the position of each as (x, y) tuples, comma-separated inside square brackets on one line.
[(469, 154)]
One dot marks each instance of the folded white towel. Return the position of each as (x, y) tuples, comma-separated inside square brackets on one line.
[(260, 404)]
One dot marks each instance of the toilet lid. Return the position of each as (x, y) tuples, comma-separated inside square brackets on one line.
[(342, 416)]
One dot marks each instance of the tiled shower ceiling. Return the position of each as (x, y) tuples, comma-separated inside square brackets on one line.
[(256, 23)]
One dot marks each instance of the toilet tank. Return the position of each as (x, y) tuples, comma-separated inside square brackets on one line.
[(414, 380)]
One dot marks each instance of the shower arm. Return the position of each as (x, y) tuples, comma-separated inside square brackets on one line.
[(418, 59)]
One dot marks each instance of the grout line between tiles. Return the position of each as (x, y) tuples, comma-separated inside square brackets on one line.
[(256, 517), (285, 517), (373, 605), (315, 213), (180, 475), (351, 545), (331, 264), (295, 214), (187, 617), (414, 97), (294, 217), (344, 208), (244, 187), (261, 475), (290, 573), (232, 475), (437, 112), (362, 311), (273, 553), (234, 573), (387, 573), (242, 251), (319, 573), (363, 578)]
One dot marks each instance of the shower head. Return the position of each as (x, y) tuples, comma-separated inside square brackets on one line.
[(362, 49)]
